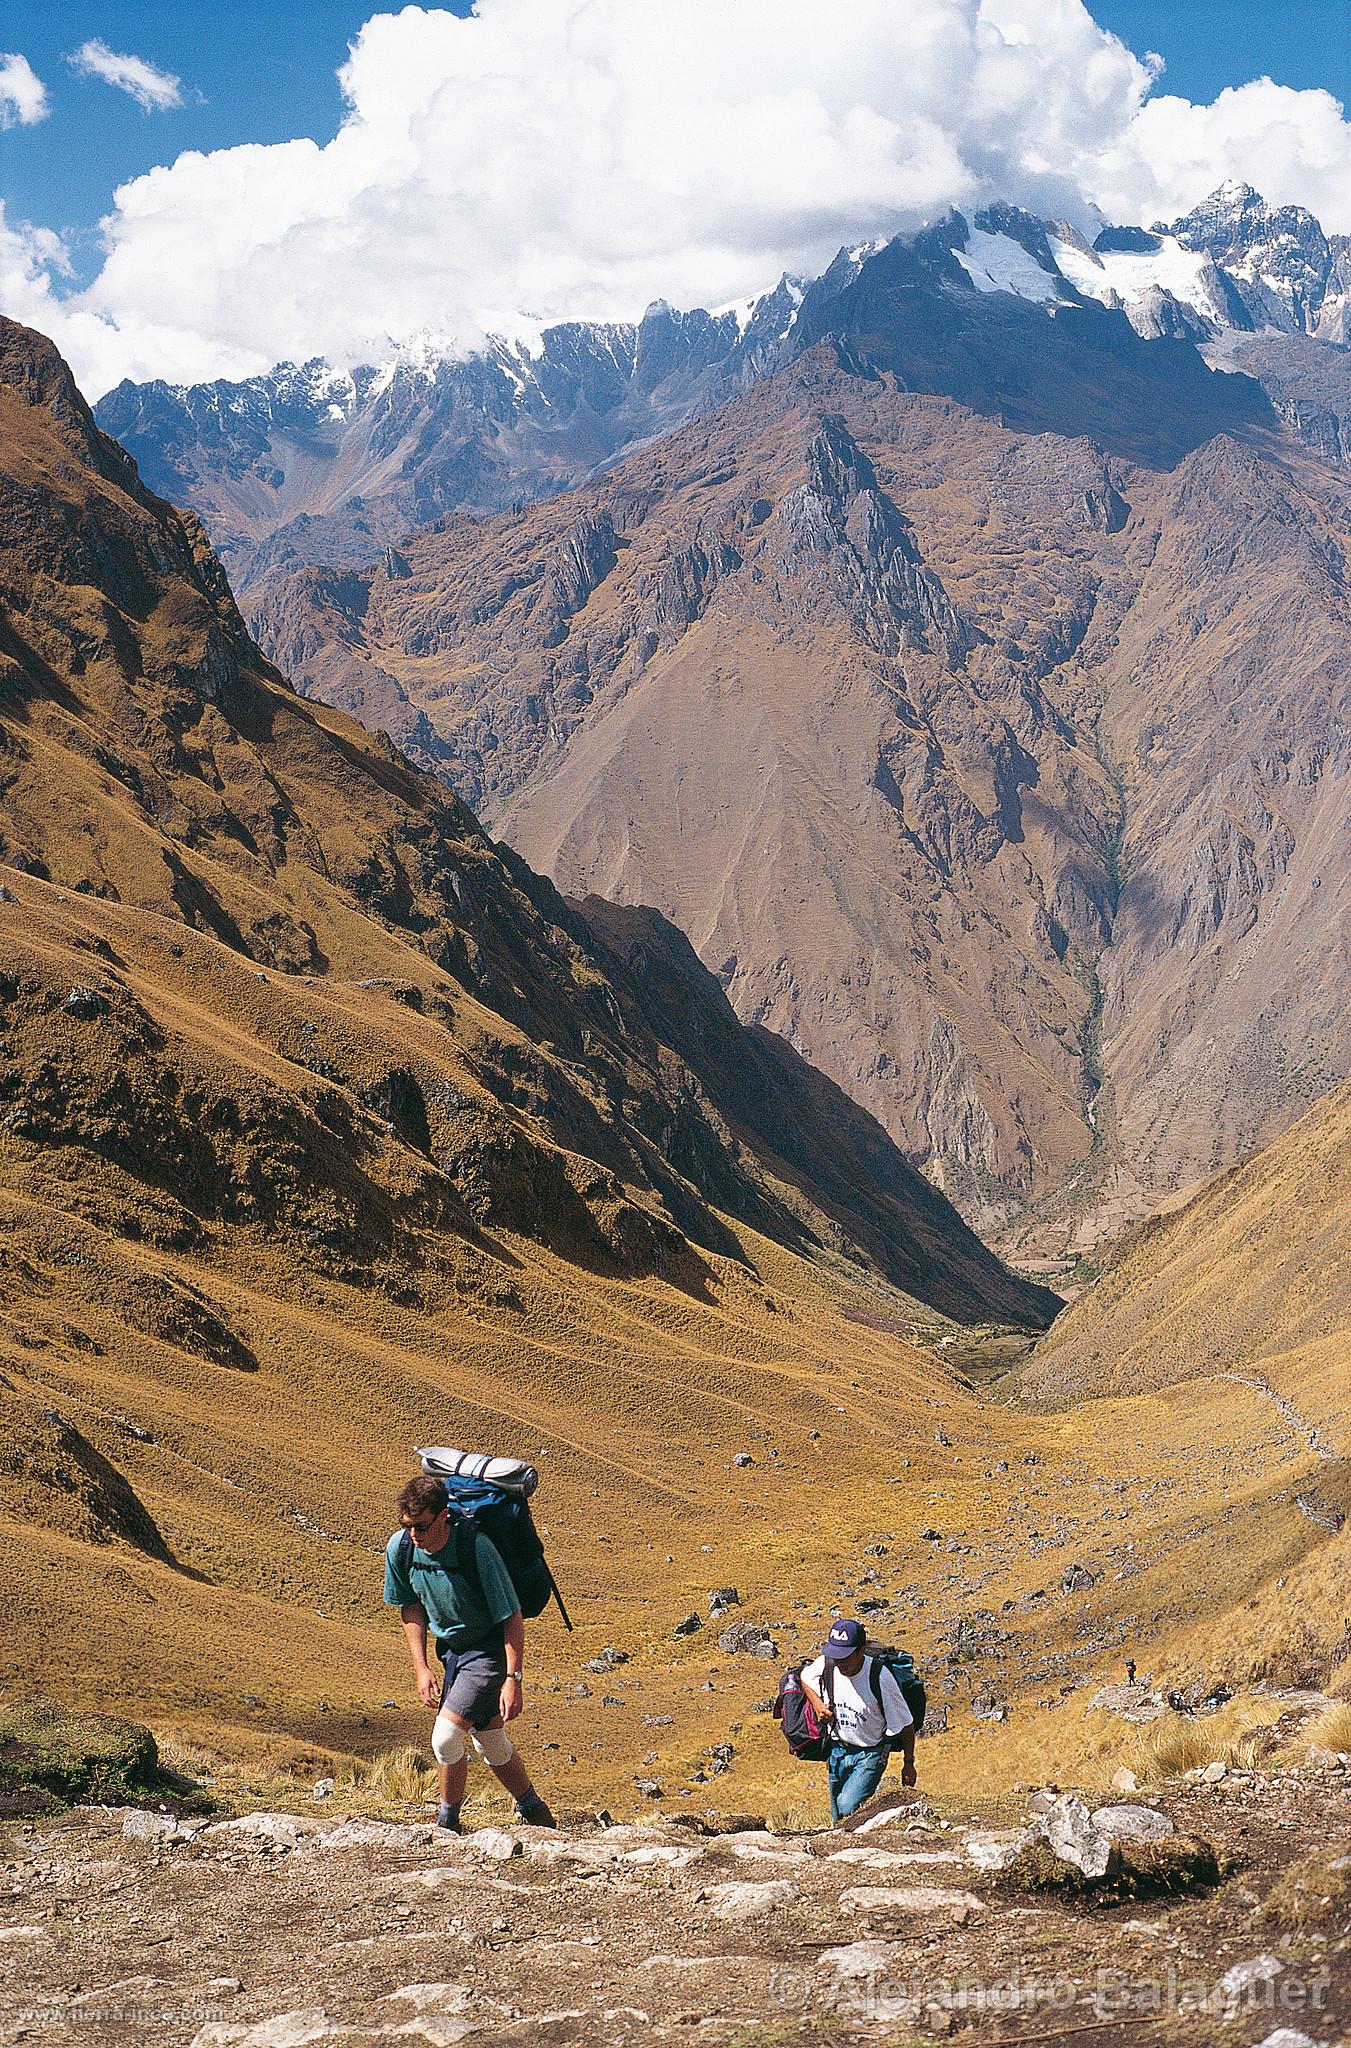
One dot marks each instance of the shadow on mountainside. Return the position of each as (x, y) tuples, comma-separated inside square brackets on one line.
[(813, 1131)]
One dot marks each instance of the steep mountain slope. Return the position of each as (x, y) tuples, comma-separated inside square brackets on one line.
[(975, 761), (206, 794), (312, 465), (1252, 1279)]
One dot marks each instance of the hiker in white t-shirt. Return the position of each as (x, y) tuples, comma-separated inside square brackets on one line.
[(862, 1702)]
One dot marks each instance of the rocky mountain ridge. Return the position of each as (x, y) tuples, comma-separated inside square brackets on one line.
[(309, 464)]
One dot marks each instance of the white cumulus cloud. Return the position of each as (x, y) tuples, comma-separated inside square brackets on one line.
[(555, 159), (23, 96), (150, 87)]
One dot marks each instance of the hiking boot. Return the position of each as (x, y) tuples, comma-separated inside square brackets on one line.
[(448, 1820), (535, 1813)]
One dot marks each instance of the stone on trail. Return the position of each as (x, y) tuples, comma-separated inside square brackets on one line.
[(1132, 1823), (669, 1854), (911, 1898), (445, 1998), (1067, 1829), (283, 1829), (1244, 1979), (751, 1901), (287, 2030), (872, 1974), (496, 1844), (1214, 1772), (437, 2030), (996, 1851), (139, 1826), (893, 1859), (1134, 1703), (1125, 1781), (885, 1818), (1290, 2037), (378, 1834)]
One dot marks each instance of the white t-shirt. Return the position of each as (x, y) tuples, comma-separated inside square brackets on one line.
[(858, 1720)]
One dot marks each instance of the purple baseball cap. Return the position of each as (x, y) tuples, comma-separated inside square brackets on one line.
[(846, 1638)]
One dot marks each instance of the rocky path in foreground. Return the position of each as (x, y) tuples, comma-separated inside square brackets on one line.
[(281, 1931)]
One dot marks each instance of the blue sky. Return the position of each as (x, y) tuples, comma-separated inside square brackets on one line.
[(252, 71), (559, 159)]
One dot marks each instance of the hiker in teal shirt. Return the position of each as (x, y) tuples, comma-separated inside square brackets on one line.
[(447, 1579)]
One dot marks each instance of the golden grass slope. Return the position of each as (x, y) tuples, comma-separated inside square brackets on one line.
[(1252, 1278)]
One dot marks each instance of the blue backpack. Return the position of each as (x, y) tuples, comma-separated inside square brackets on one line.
[(502, 1514)]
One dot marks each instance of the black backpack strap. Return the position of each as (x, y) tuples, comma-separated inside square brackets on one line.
[(828, 1684), (466, 1551), (405, 1552), (875, 1681)]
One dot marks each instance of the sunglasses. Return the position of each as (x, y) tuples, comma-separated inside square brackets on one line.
[(423, 1528)]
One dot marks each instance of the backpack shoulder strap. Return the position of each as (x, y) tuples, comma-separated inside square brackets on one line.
[(466, 1551), (828, 1683), (405, 1552), (875, 1681)]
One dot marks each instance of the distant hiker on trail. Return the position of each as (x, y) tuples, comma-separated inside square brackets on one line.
[(859, 1697), (444, 1575)]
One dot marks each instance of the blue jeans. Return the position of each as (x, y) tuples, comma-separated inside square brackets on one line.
[(854, 1775)]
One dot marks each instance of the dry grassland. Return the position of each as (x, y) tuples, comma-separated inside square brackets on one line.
[(243, 1618)]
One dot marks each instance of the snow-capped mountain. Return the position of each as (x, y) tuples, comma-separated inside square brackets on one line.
[(313, 464)]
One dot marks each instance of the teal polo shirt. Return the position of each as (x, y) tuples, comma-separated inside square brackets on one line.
[(456, 1615)]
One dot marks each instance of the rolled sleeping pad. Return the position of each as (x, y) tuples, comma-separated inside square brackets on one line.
[(511, 1475)]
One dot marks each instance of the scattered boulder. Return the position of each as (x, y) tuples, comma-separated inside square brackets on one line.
[(1077, 1578), (740, 1901), (85, 1002), (996, 1851), (688, 1627), (747, 1638), (743, 1458), (1068, 1830), (495, 1844), (1132, 1823), (139, 1826), (723, 1597)]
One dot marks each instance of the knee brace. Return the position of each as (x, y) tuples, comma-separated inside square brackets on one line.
[(447, 1740), (494, 1745)]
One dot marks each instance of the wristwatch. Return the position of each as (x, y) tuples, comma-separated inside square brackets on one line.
[(513, 1674)]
